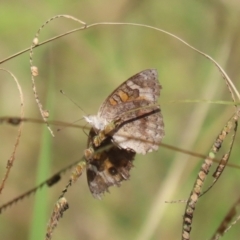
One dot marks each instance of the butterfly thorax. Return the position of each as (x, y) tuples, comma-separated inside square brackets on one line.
[(102, 128), (97, 122)]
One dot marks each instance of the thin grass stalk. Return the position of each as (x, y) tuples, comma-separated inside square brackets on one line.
[(201, 177), (41, 207), (171, 183)]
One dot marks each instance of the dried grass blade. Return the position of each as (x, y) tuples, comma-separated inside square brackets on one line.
[(224, 160), (12, 157), (197, 187), (61, 205), (225, 224)]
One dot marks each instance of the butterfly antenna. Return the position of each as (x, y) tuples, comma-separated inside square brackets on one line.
[(61, 91), (59, 129)]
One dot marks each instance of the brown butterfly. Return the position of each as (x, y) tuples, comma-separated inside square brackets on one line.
[(128, 122)]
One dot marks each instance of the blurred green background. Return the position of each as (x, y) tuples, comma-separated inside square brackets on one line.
[(88, 65)]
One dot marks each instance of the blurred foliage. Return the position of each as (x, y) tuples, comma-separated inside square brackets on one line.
[(88, 65)]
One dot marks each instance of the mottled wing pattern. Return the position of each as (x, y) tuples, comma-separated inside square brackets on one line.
[(135, 103), (139, 129), (107, 167)]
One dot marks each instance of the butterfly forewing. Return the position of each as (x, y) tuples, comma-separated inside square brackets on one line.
[(135, 103)]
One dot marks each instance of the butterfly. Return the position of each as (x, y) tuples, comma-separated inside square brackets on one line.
[(129, 121)]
